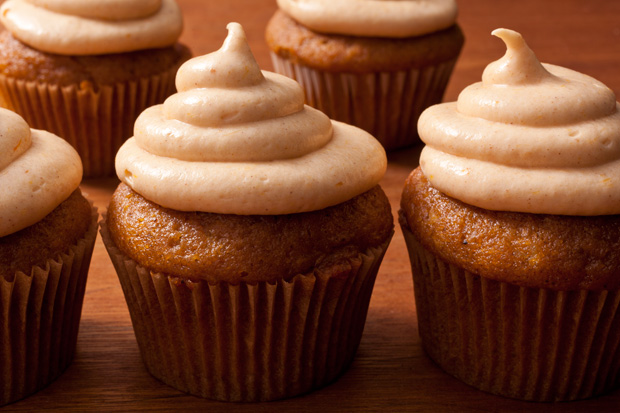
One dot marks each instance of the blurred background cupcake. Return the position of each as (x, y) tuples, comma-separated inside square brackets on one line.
[(247, 232), (85, 71), (513, 231), (373, 64), (47, 234)]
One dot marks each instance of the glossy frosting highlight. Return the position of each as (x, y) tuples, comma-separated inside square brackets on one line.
[(530, 137), (238, 140), (373, 18), (38, 170), (75, 27)]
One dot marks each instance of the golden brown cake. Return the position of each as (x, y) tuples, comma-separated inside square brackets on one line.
[(47, 235), (247, 233), (512, 223), (20, 61), (353, 54), (37, 243), (88, 87), (235, 248), (379, 81), (529, 250)]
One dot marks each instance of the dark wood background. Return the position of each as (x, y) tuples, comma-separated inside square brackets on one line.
[(391, 372)]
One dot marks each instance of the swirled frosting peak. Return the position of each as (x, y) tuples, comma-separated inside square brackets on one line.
[(373, 18), (530, 137), (38, 170), (78, 27), (519, 66), (238, 140)]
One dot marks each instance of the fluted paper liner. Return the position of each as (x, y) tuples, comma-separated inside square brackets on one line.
[(526, 343), (248, 342), (39, 319), (95, 122), (385, 104)]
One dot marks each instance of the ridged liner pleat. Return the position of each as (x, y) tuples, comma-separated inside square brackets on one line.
[(248, 342), (526, 343), (385, 104), (39, 319), (94, 122)]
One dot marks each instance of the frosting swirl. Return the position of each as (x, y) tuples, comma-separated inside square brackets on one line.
[(530, 137), (238, 140), (74, 27), (38, 170), (373, 18)]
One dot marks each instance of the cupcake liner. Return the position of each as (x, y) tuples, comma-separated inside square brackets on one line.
[(385, 104), (248, 342), (526, 343), (95, 122), (39, 319)]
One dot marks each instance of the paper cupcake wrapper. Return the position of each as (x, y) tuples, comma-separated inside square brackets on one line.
[(39, 319), (525, 343), (248, 342), (94, 122), (385, 104)]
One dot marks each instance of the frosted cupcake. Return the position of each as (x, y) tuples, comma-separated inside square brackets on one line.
[(85, 71), (47, 234), (513, 231), (247, 232), (373, 64)]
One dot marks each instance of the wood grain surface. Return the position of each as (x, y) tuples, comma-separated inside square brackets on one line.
[(391, 372)]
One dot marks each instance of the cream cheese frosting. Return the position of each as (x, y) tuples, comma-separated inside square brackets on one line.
[(38, 171), (373, 18), (238, 140), (531, 137), (77, 27)]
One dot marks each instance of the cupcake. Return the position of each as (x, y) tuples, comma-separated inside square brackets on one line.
[(373, 64), (247, 232), (512, 227), (85, 71), (47, 234)]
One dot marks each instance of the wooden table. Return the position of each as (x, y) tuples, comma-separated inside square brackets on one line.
[(391, 372)]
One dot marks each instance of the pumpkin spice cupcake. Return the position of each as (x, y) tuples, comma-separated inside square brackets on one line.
[(85, 71), (513, 231), (373, 64), (247, 232), (47, 235)]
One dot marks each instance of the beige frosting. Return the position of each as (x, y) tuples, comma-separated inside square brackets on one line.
[(78, 27), (239, 140), (530, 137), (38, 170), (380, 18)]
